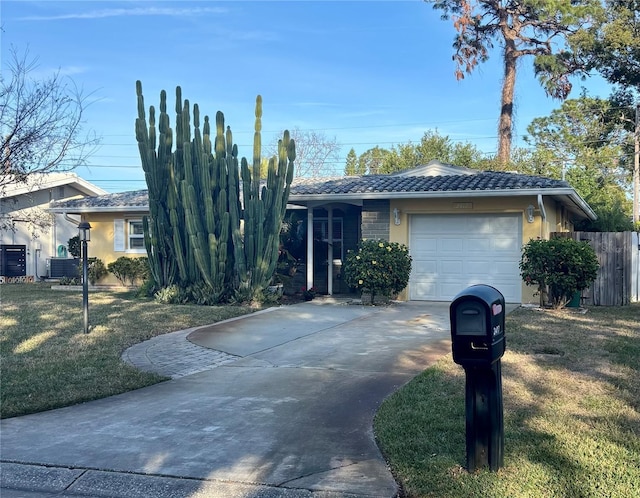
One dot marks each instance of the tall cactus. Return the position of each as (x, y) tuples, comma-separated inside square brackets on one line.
[(195, 233), (157, 172), (265, 207)]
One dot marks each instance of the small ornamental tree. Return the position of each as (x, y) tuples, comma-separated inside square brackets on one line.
[(560, 266), (74, 246), (378, 267)]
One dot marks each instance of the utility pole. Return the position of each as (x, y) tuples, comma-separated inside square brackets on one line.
[(636, 170)]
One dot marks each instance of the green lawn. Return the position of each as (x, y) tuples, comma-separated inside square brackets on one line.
[(571, 386), (46, 361), (571, 390)]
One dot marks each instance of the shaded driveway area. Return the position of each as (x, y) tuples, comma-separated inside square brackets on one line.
[(288, 413)]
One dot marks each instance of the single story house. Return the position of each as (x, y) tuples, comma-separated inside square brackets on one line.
[(30, 235), (461, 226)]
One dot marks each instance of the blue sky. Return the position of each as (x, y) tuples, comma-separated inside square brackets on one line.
[(366, 72)]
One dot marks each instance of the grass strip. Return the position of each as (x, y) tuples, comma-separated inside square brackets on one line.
[(571, 406)]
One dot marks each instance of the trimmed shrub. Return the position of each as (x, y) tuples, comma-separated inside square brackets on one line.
[(95, 270), (378, 267), (129, 270), (560, 267)]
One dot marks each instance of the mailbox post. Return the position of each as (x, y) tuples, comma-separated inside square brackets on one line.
[(477, 317)]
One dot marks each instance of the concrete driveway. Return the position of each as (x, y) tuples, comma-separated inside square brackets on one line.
[(290, 416)]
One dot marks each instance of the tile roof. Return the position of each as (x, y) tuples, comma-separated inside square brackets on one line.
[(133, 199), (488, 180), (355, 185)]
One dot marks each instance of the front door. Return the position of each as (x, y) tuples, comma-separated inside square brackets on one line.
[(324, 251)]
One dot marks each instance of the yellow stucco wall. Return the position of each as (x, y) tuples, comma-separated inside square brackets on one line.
[(556, 219), (102, 236)]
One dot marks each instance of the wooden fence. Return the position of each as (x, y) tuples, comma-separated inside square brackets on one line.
[(618, 280)]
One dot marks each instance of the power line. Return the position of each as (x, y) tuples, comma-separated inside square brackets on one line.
[(320, 130)]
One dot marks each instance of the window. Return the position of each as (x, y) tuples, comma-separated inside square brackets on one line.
[(136, 235), (128, 236)]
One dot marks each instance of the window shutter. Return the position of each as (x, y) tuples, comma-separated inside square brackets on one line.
[(118, 235)]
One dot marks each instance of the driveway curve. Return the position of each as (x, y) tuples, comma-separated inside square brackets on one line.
[(287, 413)]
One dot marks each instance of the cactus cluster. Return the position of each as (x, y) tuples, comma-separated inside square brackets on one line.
[(199, 230)]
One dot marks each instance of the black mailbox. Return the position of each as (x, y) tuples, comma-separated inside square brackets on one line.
[(477, 326)]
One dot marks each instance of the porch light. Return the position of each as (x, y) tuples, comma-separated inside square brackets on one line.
[(396, 216), (84, 231), (530, 213)]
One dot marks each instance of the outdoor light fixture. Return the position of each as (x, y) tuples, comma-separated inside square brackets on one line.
[(84, 232), (396, 216), (530, 211)]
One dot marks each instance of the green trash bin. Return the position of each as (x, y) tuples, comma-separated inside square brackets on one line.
[(575, 300)]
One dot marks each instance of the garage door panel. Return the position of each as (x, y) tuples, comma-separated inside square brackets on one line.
[(505, 268), (424, 288), (452, 252), (478, 245), (507, 289), (425, 246), (505, 224), (506, 244), (476, 267), (452, 267), (429, 226), (451, 245), (449, 289), (482, 226), (425, 267)]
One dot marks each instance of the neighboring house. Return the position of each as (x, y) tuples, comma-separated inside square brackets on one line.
[(27, 225), (462, 226)]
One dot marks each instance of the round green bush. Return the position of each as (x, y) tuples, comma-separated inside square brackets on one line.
[(561, 266), (378, 267)]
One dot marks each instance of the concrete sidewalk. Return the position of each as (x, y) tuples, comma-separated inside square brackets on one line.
[(290, 414)]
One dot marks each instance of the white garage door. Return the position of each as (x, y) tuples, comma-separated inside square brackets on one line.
[(452, 252)]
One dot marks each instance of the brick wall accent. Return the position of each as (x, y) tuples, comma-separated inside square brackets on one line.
[(375, 219)]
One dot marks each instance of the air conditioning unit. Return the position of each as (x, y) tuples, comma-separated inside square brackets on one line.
[(63, 267)]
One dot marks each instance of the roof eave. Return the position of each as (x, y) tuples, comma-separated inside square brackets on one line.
[(572, 198), (70, 179), (88, 188), (569, 193), (582, 206), (436, 194), (90, 209)]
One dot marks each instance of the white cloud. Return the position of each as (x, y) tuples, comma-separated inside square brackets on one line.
[(140, 11), (43, 73), (71, 70)]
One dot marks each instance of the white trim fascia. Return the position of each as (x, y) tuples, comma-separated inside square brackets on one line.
[(90, 209), (43, 182), (583, 206), (570, 193), (88, 187)]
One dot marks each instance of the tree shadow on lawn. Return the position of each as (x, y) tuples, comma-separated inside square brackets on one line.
[(571, 414)]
